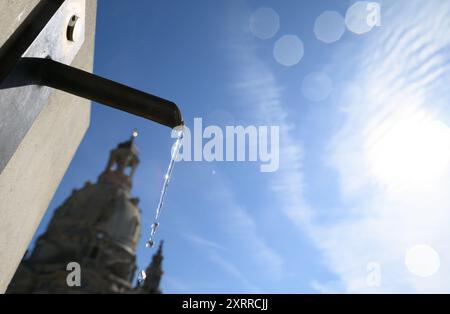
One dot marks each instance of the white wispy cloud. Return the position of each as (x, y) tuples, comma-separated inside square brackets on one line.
[(241, 237), (234, 271), (392, 148), (258, 84), (200, 241), (215, 253), (239, 225)]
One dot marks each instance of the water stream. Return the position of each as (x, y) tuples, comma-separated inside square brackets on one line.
[(154, 228)]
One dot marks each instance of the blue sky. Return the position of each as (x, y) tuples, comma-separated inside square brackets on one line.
[(363, 171)]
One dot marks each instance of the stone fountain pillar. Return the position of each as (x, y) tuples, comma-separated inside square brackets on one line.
[(32, 175)]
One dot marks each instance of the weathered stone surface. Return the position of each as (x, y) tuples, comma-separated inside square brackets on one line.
[(28, 182)]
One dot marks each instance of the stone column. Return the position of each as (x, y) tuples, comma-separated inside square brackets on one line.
[(32, 175)]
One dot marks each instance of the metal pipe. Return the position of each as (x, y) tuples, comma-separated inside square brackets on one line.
[(53, 74)]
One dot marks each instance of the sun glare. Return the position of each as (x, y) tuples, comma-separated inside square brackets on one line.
[(409, 149)]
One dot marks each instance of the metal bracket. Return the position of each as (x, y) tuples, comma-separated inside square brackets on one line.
[(38, 54), (43, 34)]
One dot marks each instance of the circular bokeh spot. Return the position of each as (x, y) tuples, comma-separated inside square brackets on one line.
[(264, 23), (317, 86), (288, 50), (422, 261), (359, 18), (329, 27)]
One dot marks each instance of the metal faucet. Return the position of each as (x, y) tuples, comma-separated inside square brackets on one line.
[(38, 54), (18, 69), (46, 72)]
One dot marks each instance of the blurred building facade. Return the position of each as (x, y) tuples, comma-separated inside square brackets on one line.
[(97, 227)]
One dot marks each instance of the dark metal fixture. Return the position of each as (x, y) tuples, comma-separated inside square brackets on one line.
[(37, 56), (46, 72)]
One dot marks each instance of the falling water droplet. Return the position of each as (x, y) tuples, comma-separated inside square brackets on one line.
[(174, 154), (141, 276), (154, 228)]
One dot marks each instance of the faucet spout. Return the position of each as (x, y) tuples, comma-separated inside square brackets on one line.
[(53, 74)]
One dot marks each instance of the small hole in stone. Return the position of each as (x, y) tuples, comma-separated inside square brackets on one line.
[(71, 28)]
